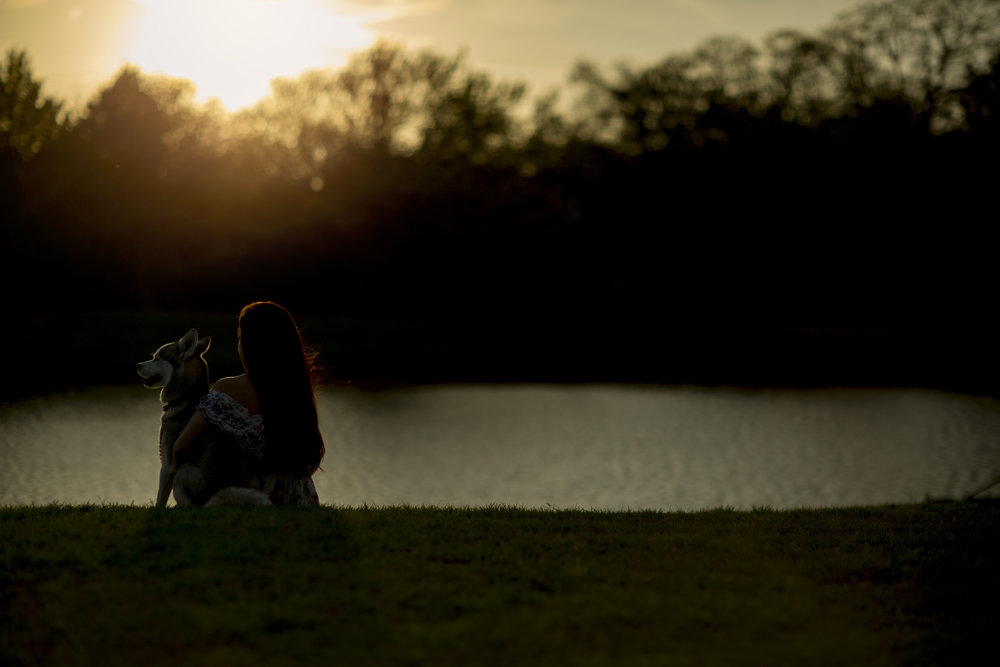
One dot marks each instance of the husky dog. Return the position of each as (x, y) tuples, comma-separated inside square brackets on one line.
[(218, 476)]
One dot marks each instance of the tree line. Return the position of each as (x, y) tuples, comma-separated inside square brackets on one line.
[(833, 179)]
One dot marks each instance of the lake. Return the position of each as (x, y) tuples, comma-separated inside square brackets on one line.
[(550, 446)]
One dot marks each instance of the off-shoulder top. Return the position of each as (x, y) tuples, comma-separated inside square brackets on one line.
[(232, 418)]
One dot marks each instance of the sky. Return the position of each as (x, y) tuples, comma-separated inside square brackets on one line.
[(231, 49)]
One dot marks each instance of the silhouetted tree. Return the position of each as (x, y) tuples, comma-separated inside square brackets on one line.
[(391, 101), (371, 103), (29, 123), (546, 142), (730, 185), (981, 101), (705, 99), (727, 68), (917, 49), (28, 119), (134, 119), (645, 110), (800, 84), (470, 119)]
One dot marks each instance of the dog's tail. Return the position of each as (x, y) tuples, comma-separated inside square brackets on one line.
[(236, 496)]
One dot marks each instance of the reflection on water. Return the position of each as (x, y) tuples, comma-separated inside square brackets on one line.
[(603, 446)]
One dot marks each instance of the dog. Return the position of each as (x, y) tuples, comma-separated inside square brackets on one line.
[(219, 476)]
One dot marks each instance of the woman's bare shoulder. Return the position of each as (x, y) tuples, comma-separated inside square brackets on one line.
[(240, 388), (234, 382)]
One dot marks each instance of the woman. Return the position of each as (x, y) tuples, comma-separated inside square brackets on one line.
[(269, 411)]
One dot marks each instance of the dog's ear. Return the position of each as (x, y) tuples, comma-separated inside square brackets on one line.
[(202, 346), (186, 344)]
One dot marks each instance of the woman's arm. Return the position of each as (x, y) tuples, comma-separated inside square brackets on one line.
[(183, 445)]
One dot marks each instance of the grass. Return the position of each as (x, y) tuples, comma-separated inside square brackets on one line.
[(914, 584)]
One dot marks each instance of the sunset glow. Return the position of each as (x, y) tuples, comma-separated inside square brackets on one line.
[(231, 49)]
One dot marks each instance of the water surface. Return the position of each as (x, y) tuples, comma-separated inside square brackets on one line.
[(589, 446)]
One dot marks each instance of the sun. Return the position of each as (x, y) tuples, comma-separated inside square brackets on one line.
[(231, 49)]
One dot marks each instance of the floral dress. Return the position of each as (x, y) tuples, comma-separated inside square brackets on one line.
[(232, 418)]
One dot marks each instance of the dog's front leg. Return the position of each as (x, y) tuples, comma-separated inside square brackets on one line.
[(166, 484)]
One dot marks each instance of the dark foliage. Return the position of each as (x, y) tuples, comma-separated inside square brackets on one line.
[(828, 181)]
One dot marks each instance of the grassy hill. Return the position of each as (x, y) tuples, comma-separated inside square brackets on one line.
[(114, 585)]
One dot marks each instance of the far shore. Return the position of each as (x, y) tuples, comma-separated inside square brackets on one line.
[(58, 351)]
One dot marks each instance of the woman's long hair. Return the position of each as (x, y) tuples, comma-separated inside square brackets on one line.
[(279, 369)]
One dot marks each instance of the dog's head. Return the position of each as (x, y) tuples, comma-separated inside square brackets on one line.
[(174, 362)]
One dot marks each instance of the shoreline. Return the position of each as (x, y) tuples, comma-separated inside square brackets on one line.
[(105, 347)]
